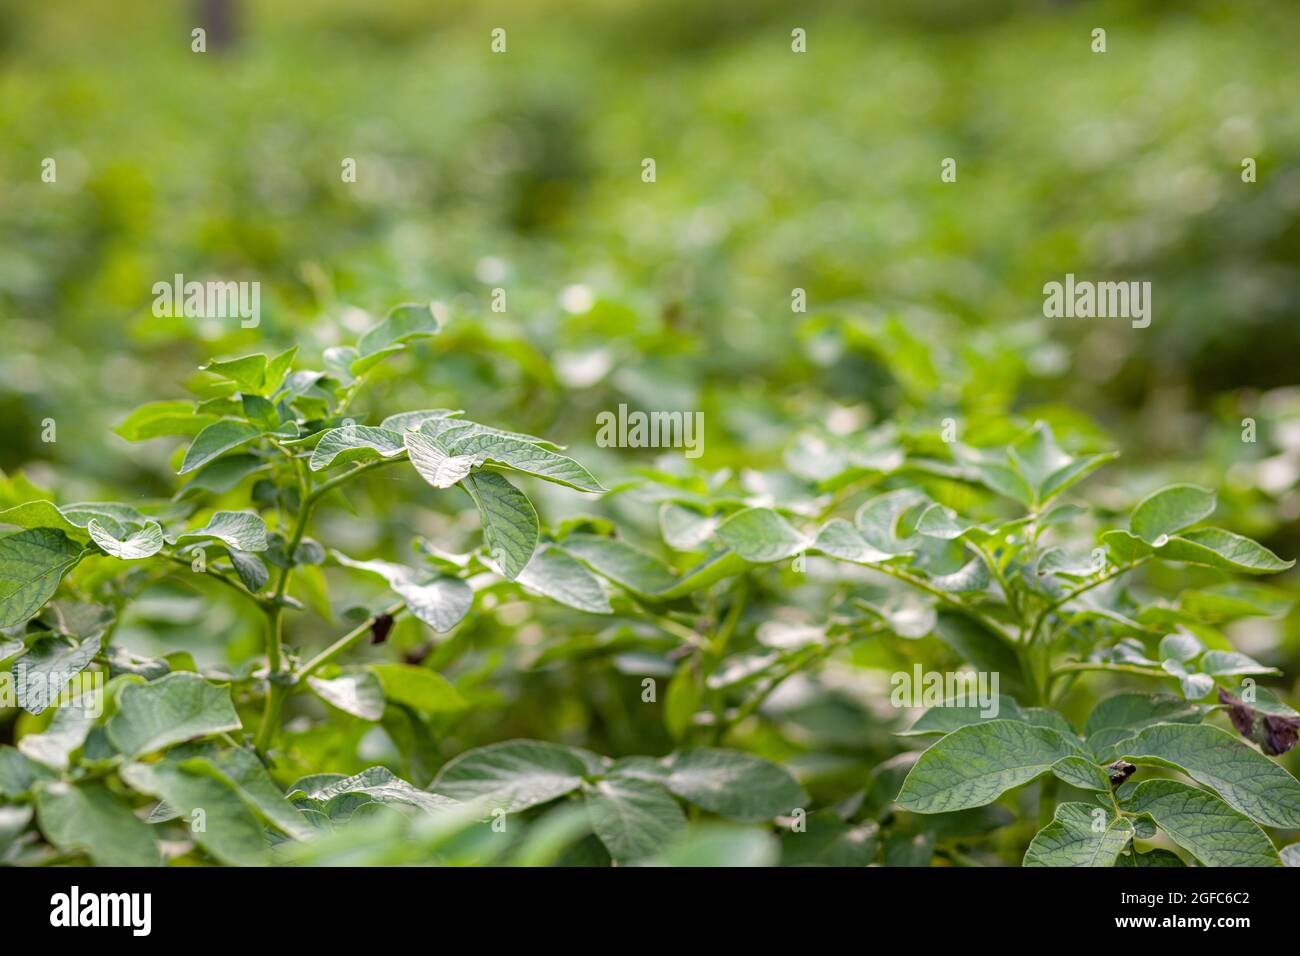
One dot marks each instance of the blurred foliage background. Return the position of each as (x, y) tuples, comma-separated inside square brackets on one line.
[(775, 171)]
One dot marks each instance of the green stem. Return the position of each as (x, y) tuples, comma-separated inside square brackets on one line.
[(1047, 800), (1106, 666), (348, 640), (218, 576), (1070, 596), (276, 689)]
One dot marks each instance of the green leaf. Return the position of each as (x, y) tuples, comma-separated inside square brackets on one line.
[(174, 708), (54, 746), (621, 563), (950, 715), (13, 821), (521, 456), (976, 764), (359, 694), (260, 412), (1046, 468), (1217, 548), (405, 323), (878, 521), (685, 529), (717, 845), (87, 818), (19, 773), (418, 687), (1071, 839), (251, 569), (556, 575), (840, 539), (215, 440), (159, 419), (241, 530), (248, 372), (441, 603), (406, 421), (828, 841), (1082, 773), (1151, 858), (1202, 824), (1245, 778), (223, 474), (1170, 509), (516, 774), (981, 648), (378, 784), (1232, 600), (682, 699), (434, 465), (634, 818), (355, 443), (1124, 548), (144, 543), (277, 370), (1126, 714), (732, 784), (32, 563), (1226, 663), (510, 527), (243, 771), (42, 673), (761, 535), (215, 814)]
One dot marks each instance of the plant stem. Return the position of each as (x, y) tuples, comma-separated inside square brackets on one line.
[(348, 640), (1071, 595), (1047, 800), (276, 689), (1107, 666)]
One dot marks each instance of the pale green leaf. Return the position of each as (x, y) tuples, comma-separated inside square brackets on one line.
[(142, 543), (510, 527), (732, 784), (159, 419), (434, 465), (32, 563), (418, 687), (241, 530), (1217, 548), (976, 764), (634, 818), (761, 535), (521, 456), (1243, 777), (556, 575), (358, 443), (215, 440), (1170, 509), (515, 774), (1202, 824), (87, 818), (359, 694), (174, 708)]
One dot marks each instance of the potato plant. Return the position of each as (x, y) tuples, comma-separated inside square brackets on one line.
[(984, 557)]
